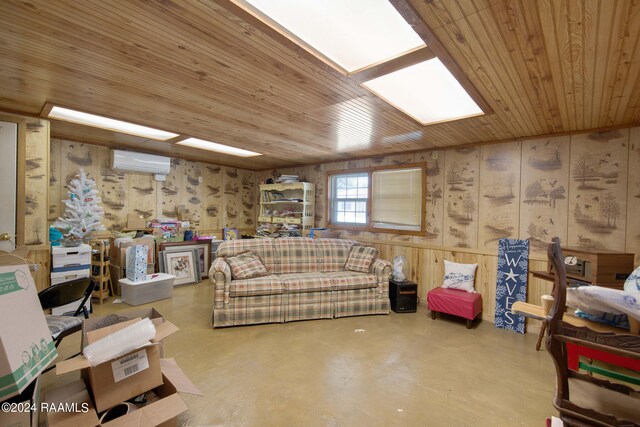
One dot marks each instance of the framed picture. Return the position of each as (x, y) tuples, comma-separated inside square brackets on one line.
[(202, 246), (230, 233), (183, 265)]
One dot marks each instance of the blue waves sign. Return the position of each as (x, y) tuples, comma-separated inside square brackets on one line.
[(513, 269)]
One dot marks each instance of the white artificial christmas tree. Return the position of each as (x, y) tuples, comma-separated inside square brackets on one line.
[(83, 213)]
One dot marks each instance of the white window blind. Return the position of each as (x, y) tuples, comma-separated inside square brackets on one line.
[(397, 199)]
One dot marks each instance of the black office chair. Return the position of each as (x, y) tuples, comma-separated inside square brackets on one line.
[(62, 294)]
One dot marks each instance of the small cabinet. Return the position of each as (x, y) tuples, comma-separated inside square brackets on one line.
[(289, 204)]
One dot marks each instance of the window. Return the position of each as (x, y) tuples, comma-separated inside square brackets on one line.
[(349, 203), (397, 199), (378, 199)]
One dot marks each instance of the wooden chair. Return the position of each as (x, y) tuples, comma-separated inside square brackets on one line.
[(584, 400)]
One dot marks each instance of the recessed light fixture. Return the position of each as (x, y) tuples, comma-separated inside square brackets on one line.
[(87, 119), (427, 91), (219, 148), (352, 34)]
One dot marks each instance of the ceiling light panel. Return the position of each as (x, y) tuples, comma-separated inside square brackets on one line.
[(219, 148), (353, 34), (427, 91), (87, 119)]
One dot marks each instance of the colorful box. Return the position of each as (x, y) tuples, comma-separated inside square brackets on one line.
[(137, 263)]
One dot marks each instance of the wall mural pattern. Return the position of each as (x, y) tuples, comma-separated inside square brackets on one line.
[(499, 193), (544, 191), (461, 197), (547, 182), (434, 206), (196, 186), (598, 190), (36, 168), (633, 195)]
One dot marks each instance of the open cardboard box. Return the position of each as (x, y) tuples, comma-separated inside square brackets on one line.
[(163, 412), (26, 347), (126, 375), (29, 398)]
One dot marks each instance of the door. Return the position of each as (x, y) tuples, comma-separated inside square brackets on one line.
[(8, 165)]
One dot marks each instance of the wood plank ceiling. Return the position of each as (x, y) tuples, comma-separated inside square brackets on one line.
[(206, 69)]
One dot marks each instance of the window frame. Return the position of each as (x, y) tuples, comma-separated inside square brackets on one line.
[(329, 222)]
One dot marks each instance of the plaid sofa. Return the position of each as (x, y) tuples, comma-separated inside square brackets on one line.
[(307, 280)]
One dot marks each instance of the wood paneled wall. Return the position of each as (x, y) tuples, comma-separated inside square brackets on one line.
[(214, 196), (582, 188), (31, 201)]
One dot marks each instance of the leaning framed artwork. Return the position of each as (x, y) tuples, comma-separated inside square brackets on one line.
[(183, 265), (202, 246), (230, 233)]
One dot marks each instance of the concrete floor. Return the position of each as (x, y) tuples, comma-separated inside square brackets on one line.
[(396, 370)]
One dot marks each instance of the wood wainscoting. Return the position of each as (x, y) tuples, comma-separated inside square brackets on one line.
[(426, 268), (41, 255)]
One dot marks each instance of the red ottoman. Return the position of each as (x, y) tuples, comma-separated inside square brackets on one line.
[(455, 302)]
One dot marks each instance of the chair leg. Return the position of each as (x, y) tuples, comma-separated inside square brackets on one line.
[(433, 314), (469, 323)]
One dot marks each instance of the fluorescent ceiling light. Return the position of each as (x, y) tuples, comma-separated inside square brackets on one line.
[(427, 91), (213, 146), (352, 33), (111, 124)]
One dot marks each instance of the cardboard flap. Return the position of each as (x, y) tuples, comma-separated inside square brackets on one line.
[(77, 393), (74, 364), (153, 414), (164, 330), (178, 378), (81, 362), (98, 334)]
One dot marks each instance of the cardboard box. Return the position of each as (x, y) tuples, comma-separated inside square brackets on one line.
[(126, 375), (162, 412), (73, 395), (26, 347), (152, 289), (19, 417), (119, 254), (70, 259), (136, 222)]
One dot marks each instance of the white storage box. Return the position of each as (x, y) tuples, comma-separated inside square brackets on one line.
[(157, 286), (67, 276), (70, 259)]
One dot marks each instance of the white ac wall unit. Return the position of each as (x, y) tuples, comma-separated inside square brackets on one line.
[(140, 162)]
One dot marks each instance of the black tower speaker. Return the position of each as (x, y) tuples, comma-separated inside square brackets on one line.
[(403, 296)]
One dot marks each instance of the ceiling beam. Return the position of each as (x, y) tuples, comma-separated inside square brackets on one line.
[(416, 56), (413, 18)]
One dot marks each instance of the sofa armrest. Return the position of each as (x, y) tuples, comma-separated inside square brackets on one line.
[(382, 270), (220, 275)]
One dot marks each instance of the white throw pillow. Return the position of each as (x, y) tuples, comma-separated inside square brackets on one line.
[(633, 281), (459, 276)]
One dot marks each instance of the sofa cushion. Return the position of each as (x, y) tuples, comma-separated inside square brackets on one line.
[(361, 258), (296, 255), (342, 280), (266, 285), (306, 282), (246, 265), (333, 253), (261, 247)]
